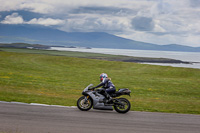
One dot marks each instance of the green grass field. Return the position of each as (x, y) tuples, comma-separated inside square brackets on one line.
[(52, 79)]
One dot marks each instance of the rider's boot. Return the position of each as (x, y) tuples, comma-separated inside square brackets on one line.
[(107, 98)]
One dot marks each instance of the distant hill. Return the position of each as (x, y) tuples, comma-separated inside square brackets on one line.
[(23, 45), (45, 35)]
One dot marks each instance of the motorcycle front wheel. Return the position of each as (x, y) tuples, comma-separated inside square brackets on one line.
[(84, 103), (123, 106)]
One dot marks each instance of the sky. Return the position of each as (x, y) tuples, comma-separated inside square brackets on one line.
[(153, 21)]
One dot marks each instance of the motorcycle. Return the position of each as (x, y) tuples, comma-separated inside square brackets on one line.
[(93, 98)]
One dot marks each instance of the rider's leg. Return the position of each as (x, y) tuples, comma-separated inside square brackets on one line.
[(103, 92), (108, 92)]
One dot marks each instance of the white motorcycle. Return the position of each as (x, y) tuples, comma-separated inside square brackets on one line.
[(93, 98)]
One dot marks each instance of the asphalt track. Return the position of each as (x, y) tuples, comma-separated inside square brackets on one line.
[(20, 118)]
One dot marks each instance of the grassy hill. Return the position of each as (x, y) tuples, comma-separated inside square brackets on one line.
[(51, 79), (23, 45)]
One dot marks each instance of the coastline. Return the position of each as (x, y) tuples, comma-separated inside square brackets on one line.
[(162, 58)]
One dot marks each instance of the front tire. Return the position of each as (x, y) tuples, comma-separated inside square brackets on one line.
[(124, 108), (84, 104)]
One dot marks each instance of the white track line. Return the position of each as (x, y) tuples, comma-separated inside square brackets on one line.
[(38, 104)]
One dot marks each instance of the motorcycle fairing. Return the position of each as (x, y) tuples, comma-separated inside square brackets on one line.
[(98, 105)]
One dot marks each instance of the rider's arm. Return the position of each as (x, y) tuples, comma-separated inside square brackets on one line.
[(99, 85), (102, 83)]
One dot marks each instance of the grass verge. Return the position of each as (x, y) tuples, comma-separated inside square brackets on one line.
[(59, 80)]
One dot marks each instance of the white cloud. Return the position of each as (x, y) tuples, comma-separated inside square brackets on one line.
[(38, 7), (161, 8), (9, 5), (95, 23), (13, 19), (54, 6), (45, 21)]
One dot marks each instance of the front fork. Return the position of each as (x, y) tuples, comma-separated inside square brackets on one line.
[(86, 99)]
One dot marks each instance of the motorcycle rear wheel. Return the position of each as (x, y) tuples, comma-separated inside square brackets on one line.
[(123, 108), (84, 104)]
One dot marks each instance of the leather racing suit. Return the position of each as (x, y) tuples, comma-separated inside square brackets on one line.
[(107, 88)]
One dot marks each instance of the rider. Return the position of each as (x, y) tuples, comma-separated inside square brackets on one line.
[(107, 86)]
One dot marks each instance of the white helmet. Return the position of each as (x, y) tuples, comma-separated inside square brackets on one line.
[(102, 76)]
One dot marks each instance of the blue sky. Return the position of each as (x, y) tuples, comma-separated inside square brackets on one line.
[(153, 21)]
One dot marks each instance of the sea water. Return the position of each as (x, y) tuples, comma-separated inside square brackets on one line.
[(183, 56)]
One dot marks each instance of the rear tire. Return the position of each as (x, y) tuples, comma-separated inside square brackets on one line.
[(123, 108), (83, 104)]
